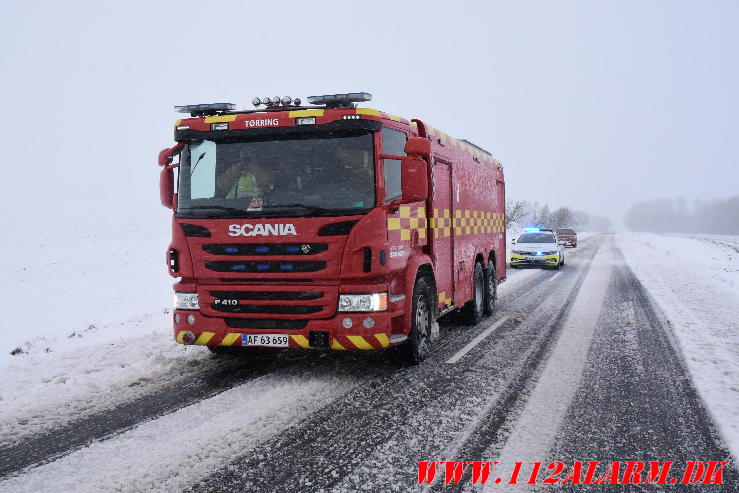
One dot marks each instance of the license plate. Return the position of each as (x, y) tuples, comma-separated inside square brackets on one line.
[(265, 340)]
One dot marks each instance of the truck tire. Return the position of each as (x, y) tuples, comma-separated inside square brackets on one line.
[(417, 346), (491, 288), (472, 311)]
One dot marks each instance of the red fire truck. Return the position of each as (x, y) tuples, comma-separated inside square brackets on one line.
[(327, 225)]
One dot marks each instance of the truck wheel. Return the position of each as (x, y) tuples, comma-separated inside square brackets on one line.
[(491, 288), (472, 311), (419, 339)]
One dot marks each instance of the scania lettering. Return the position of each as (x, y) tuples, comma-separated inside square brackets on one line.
[(262, 230), (327, 226)]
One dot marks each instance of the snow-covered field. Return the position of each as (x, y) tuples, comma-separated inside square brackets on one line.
[(695, 281), (70, 285), (86, 321)]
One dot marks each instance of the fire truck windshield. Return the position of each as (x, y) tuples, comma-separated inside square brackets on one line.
[(286, 174)]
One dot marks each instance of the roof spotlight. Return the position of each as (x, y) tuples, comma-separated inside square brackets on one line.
[(287, 100), (267, 100), (276, 100), (256, 101), (296, 101)]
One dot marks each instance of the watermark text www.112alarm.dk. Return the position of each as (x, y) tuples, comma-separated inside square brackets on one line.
[(578, 472)]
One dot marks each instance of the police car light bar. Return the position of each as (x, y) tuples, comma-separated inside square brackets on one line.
[(340, 100), (205, 109), (532, 230)]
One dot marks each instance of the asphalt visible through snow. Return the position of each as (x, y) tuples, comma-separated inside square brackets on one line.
[(576, 365)]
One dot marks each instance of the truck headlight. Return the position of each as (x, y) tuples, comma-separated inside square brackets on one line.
[(373, 302), (186, 301)]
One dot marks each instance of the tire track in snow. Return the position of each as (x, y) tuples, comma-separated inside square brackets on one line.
[(319, 453), (49, 446)]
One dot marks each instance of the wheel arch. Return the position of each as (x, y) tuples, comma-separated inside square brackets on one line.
[(419, 266)]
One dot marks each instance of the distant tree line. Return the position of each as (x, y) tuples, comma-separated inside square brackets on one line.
[(534, 214), (720, 216)]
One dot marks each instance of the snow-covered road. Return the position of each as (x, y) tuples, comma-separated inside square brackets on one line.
[(577, 364)]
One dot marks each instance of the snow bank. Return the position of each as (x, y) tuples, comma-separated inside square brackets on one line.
[(695, 281), (73, 285)]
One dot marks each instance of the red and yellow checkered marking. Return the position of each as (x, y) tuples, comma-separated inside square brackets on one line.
[(466, 222), (408, 221), (443, 300), (366, 342), (441, 223)]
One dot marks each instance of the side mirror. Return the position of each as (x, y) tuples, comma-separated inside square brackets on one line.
[(513, 241), (166, 187), (166, 155), (166, 177), (418, 146), (414, 179)]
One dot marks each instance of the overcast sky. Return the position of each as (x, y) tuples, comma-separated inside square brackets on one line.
[(588, 104)]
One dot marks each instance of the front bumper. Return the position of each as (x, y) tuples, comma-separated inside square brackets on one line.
[(386, 331), (546, 260)]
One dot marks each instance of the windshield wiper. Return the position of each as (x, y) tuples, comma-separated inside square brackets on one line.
[(215, 207), (313, 209)]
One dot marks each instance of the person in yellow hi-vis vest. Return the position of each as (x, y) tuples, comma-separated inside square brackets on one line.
[(250, 180)]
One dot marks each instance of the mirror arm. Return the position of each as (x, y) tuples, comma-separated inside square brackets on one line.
[(166, 156)]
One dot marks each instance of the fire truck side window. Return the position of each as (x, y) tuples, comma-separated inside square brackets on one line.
[(393, 143)]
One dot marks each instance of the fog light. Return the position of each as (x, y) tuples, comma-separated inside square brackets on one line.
[(177, 318), (347, 323), (188, 338), (191, 319), (368, 322)]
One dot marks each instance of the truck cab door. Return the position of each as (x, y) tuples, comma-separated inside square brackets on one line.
[(442, 236)]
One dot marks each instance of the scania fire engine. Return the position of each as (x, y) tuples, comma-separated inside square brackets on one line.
[(327, 225)]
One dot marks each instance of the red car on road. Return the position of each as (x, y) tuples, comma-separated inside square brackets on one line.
[(567, 237)]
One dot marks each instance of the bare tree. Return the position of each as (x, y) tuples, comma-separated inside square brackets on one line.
[(515, 210), (561, 218)]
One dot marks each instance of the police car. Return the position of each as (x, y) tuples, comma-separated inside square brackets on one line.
[(537, 247)]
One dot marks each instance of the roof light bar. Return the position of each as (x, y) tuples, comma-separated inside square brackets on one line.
[(532, 230), (205, 109), (275, 101), (340, 100)]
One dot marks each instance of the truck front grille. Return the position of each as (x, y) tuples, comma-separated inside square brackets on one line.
[(265, 323), (275, 309), (266, 266), (267, 295), (266, 249)]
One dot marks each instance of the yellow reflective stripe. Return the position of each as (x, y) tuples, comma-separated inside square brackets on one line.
[(335, 344), (230, 339), (204, 338), (359, 342), (179, 336), (302, 341), (297, 113), (368, 111), (220, 118), (382, 339), (177, 122)]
